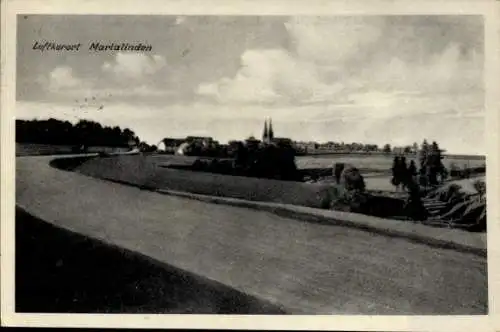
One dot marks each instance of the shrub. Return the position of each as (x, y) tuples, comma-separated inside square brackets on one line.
[(328, 196), (480, 186), (350, 191), (468, 210), (352, 179), (199, 165)]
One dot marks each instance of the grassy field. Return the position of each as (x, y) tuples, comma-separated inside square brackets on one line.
[(144, 171), (374, 162), (29, 149), (24, 149), (367, 164), (375, 169)]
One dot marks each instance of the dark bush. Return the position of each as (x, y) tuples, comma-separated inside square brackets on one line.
[(384, 207), (271, 162), (199, 165), (352, 179), (69, 163)]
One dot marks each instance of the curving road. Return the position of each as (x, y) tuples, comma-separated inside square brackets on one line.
[(307, 268)]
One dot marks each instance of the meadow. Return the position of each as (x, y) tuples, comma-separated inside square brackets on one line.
[(33, 149), (378, 162), (144, 171), (375, 168), (27, 149)]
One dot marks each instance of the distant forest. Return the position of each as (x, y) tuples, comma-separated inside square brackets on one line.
[(87, 133)]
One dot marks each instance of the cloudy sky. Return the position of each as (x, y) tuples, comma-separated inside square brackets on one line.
[(371, 79)]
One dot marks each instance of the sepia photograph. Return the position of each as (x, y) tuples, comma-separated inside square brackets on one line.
[(251, 164)]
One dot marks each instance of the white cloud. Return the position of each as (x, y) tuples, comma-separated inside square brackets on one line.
[(271, 75), (446, 72), (134, 65), (353, 63), (337, 79), (332, 41), (61, 78), (63, 83)]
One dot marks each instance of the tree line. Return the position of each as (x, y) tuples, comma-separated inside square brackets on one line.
[(430, 169), (387, 148), (83, 133)]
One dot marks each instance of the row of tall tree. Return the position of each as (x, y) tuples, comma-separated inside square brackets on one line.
[(431, 163), (430, 171), (85, 132), (360, 147), (407, 149), (340, 146), (272, 161)]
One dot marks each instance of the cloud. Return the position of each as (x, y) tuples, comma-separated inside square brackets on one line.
[(327, 78), (445, 72), (134, 65), (333, 41), (270, 76), (387, 67), (64, 83), (307, 73), (61, 78)]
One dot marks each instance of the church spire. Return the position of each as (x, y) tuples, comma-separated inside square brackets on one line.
[(270, 132), (265, 134)]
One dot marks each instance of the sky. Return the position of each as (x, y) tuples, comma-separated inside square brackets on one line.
[(368, 79)]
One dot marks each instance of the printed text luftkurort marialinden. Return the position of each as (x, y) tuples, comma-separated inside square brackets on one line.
[(92, 46)]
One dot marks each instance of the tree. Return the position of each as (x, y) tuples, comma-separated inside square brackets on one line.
[(422, 154), (414, 147), (387, 148), (434, 163), (431, 164), (83, 133)]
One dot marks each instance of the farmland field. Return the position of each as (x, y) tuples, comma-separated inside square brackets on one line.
[(27, 149), (374, 181), (375, 162), (367, 163), (32, 149)]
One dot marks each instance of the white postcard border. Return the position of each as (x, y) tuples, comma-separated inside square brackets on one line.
[(490, 10)]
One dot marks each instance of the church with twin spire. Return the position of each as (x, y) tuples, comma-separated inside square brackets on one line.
[(268, 134)]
